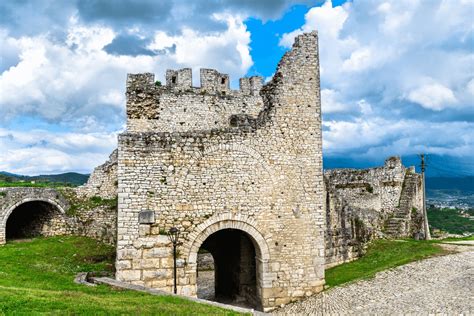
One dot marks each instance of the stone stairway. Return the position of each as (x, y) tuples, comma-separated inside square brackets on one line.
[(399, 224)]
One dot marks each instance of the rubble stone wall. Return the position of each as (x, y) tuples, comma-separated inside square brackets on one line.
[(363, 204), (103, 180), (69, 213)]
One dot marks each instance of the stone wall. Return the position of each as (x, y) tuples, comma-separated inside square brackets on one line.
[(210, 159), (57, 211), (102, 181), (179, 107), (362, 204)]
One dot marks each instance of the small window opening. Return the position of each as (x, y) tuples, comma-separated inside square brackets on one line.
[(173, 79), (222, 80)]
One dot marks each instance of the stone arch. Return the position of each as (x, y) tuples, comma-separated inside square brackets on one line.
[(226, 221), (237, 222), (9, 210)]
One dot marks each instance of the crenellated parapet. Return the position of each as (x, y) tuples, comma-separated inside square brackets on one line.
[(180, 79), (212, 82), (177, 106)]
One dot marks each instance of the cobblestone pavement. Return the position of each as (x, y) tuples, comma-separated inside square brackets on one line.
[(440, 285)]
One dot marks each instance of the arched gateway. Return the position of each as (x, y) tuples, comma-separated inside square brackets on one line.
[(241, 258), (237, 172), (29, 212)]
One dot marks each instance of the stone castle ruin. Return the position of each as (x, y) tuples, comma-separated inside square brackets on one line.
[(239, 173)]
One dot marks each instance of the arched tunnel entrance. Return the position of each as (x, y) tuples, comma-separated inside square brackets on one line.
[(32, 219), (234, 275)]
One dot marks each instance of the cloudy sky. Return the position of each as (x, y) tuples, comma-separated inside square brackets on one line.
[(397, 77)]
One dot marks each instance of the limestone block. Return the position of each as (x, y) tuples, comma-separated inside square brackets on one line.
[(129, 275)]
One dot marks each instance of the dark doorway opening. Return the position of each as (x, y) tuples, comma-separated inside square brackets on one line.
[(234, 276), (32, 219)]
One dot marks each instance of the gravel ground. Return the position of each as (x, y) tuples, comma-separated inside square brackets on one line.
[(440, 285), (205, 285)]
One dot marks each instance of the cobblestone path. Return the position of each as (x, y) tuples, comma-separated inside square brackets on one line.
[(440, 285)]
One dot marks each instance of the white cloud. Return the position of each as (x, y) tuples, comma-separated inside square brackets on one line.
[(330, 102), (68, 81), (365, 107), (470, 86), (359, 60), (60, 82), (433, 96), (388, 68), (379, 137), (326, 19), (78, 86), (42, 152), (383, 51), (227, 51)]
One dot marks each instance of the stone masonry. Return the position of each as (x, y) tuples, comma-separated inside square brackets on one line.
[(362, 204), (56, 211), (102, 181), (211, 159)]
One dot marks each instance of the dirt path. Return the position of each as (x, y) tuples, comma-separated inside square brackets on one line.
[(440, 285)]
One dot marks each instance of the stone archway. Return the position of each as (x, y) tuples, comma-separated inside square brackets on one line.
[(43, 216), (234, 278), (226, 224)]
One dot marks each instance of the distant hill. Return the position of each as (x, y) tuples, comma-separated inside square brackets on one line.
[(445, 183), (73, 178)]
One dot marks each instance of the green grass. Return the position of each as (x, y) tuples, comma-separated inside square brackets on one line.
[(36, 277), (450, 220), (381, 255), (88, 204)]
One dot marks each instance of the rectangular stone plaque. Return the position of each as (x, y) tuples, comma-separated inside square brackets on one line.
[(146, 217)]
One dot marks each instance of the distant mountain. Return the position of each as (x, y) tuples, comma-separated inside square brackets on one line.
[(448, 183), (73, 178)]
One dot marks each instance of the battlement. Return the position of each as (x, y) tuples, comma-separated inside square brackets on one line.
[(178, 106), (212, 82), (182, 78)]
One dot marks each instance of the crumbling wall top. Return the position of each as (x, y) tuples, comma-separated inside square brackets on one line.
[(177, 106)]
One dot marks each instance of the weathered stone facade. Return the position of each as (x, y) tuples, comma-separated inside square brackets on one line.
[(211, 159), (102, 181), (362, 204)]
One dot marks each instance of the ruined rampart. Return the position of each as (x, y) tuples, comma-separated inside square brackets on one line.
[(362, 204)]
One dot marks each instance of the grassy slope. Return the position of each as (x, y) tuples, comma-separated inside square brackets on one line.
[(381, 255), (37, 277)]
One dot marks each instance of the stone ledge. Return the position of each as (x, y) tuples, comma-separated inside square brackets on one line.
[(81, 278), (139, 288)]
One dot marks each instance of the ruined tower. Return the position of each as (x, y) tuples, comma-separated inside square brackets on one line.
[(239, 173)]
